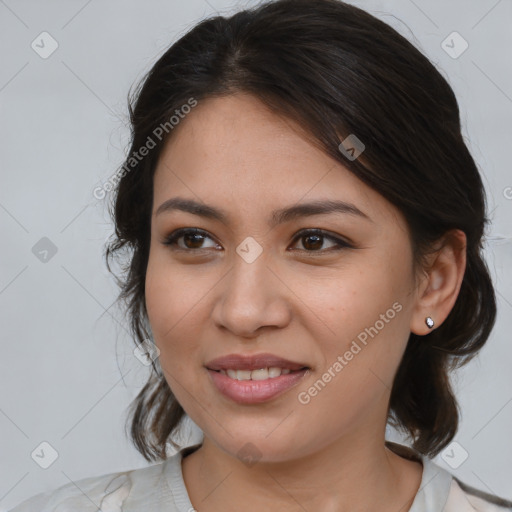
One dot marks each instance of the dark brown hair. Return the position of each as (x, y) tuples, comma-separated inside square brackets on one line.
[(336, 70)]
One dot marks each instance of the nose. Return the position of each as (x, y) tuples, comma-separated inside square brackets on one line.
[(251, 298)]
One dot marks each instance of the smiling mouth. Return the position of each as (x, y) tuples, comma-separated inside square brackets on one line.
[(252, 387), (259, 374)]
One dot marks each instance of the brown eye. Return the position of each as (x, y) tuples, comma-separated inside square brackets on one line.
[(313, 240), (193, 239)]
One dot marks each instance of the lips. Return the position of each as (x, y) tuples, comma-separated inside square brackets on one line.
[(253, 362)]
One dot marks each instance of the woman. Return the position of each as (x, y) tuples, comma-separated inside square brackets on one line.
[(258, 139)]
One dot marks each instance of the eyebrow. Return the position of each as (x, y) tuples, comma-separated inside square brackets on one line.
[(280, 216)]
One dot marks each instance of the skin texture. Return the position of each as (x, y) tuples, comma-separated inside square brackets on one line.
[(299, 300)]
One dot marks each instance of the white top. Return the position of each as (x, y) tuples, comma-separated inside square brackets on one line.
[(160, 488)]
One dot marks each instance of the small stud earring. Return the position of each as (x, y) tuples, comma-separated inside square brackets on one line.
[(429, 322)]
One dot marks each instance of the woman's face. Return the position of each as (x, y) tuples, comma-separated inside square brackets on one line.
[(249, 286)]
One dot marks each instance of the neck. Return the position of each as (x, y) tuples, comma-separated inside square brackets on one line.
[(351, 474)]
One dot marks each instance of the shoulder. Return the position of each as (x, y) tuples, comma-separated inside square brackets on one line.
[(440, 490), (109, 492), (465, 497)]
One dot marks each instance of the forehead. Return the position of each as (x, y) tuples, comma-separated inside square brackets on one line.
[(234, 151)]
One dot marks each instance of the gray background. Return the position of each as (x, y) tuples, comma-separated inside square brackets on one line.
[(67, 369)]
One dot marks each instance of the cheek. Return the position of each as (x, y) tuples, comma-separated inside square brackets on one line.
[(177, 312), (362, 315), (169, 303), (175, 326), (165, 290), (349, 300)]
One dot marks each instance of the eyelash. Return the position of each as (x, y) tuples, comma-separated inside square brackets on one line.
[(179, 233)]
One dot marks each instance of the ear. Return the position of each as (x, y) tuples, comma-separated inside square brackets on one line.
[(439, 287)]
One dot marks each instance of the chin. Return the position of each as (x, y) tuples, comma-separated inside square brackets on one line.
[(257, 448)]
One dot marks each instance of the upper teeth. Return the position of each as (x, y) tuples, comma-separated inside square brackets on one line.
[(261, 374)]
